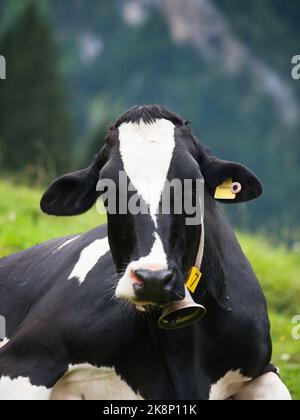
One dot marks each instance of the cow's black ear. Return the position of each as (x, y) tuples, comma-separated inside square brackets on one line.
[(216, 172), (70, 195), (75, 193)]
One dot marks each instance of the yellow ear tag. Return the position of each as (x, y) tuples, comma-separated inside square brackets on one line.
[(193, 279), (224, 191)]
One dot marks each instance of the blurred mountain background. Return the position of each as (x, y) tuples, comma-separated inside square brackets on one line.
[(225, 65)]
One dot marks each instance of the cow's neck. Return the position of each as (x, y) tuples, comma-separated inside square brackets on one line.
[(219, 243)]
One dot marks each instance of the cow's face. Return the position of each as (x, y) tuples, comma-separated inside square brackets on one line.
[(155, 166), (152, 248)]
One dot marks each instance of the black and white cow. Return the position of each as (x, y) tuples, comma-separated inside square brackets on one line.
[(64, 300)]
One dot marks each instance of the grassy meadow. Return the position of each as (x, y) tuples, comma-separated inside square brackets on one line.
[(22, 225)]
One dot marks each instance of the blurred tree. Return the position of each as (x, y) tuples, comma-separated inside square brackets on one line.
[(93, 144), (35, 126)]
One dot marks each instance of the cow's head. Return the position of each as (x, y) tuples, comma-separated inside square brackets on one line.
[(153, 252)]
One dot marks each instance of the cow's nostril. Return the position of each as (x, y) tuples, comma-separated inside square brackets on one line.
[(138, 287), (137, 279), (140, 276)]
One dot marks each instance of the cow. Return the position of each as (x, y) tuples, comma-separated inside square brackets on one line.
[(95, 299)]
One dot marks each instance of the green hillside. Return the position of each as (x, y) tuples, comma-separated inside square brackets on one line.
[(22, 225)]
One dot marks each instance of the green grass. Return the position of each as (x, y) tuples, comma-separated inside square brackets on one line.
[(22, 225), (279, 273)]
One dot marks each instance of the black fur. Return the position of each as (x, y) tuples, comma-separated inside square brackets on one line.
[(148, 114)]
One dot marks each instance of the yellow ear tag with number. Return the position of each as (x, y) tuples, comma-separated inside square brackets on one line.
[(193, 279), (224, 191)]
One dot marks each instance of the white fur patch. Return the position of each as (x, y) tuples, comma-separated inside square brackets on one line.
[(89, 257), (90, 383), (268, 387), (146, 151), (67, 243), (20, 389), (228, 386), (157, 258), (3, 343)]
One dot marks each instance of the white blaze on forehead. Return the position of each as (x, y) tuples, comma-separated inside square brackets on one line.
[(89, 257), (21, 389), (156, 260), (146, 151)]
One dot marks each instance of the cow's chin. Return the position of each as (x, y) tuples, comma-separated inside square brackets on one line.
[(125, 293), (140, 306)]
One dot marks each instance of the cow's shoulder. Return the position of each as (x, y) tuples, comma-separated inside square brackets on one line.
[(15, 266), (28, 277)]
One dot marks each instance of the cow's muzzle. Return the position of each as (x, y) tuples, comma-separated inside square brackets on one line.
[(159, 287)]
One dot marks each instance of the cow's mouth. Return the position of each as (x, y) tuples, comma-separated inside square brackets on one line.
[(156, 297)]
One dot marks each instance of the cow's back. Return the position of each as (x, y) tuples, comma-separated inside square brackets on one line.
[(27, 276)]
